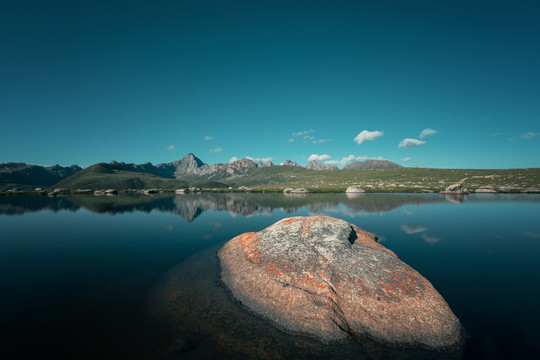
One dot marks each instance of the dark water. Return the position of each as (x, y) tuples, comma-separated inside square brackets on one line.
[(135, 276)]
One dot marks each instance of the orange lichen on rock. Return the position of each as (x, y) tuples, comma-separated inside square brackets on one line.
[(250, 243)]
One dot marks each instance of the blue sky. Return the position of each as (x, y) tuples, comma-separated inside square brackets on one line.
[(83, 82)]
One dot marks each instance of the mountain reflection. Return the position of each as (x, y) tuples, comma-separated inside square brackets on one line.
[(190, 206)]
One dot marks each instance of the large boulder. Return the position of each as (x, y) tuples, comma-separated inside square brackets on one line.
[(354, 189), (327, 278), (456, 188)]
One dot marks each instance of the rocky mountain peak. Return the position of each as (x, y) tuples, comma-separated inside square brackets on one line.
[(290, 163), (189, 164), (314, 165)]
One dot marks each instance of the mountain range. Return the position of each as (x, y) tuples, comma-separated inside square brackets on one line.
[(188, 171)]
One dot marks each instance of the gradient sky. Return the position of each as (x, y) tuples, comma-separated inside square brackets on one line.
[(83, 82)]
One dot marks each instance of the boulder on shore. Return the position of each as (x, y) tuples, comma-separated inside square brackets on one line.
[(483, 190), (456, 188), (354, 189), (327, 278), (298, 191)]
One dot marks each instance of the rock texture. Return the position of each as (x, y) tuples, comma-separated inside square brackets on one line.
[(327, 278), (354, 189)]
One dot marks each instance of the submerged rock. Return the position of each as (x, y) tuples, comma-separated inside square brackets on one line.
[(327, 278)]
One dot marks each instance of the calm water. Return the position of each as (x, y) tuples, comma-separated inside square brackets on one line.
[(135, 276)]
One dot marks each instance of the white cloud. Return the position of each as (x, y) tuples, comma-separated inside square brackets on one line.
[(170, 148), (529, 135), (318, 157), (427, 132), (430, 239), (367, 136), (291, 140), (407, 159), (233, 159), (216, 150), (309, 137), (322, 141), (302, 133), (412, 228), (408, 143), (208, 138)]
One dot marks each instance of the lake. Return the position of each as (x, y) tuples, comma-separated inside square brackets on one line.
[(136, 276)]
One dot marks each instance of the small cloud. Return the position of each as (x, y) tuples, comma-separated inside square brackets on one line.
[(409, 143), (291, 140), (233, 159), (208, 138), (318, 157), (217, 225), (309, 137), (430, 239), (170, 148), (367, 136), (532, 234), (412, 229), (427, 132), (303, 133), (494, 135), (216, 150), (407, 159), (322, 141), (529, 135)]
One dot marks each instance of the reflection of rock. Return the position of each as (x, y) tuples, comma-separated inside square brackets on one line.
[(455, 198), (202, 322), (328, 278), (354, 189), (456, 188), (354, 195)]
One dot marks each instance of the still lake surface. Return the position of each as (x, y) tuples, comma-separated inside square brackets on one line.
[(135, 276)]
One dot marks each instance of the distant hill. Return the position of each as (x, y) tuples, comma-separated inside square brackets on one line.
[(115, 175), (26, 176), (314, 165), (372, 165), (188, 171)]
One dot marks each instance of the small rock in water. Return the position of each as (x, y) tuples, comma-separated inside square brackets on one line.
[(327, 278)]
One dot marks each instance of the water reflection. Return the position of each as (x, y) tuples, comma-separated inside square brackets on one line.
[(190, 206)]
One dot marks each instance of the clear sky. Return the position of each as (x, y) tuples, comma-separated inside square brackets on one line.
[(83, 82)]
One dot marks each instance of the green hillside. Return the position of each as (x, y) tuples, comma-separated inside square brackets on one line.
[(276, 178), (391, 180), (104, 176)]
